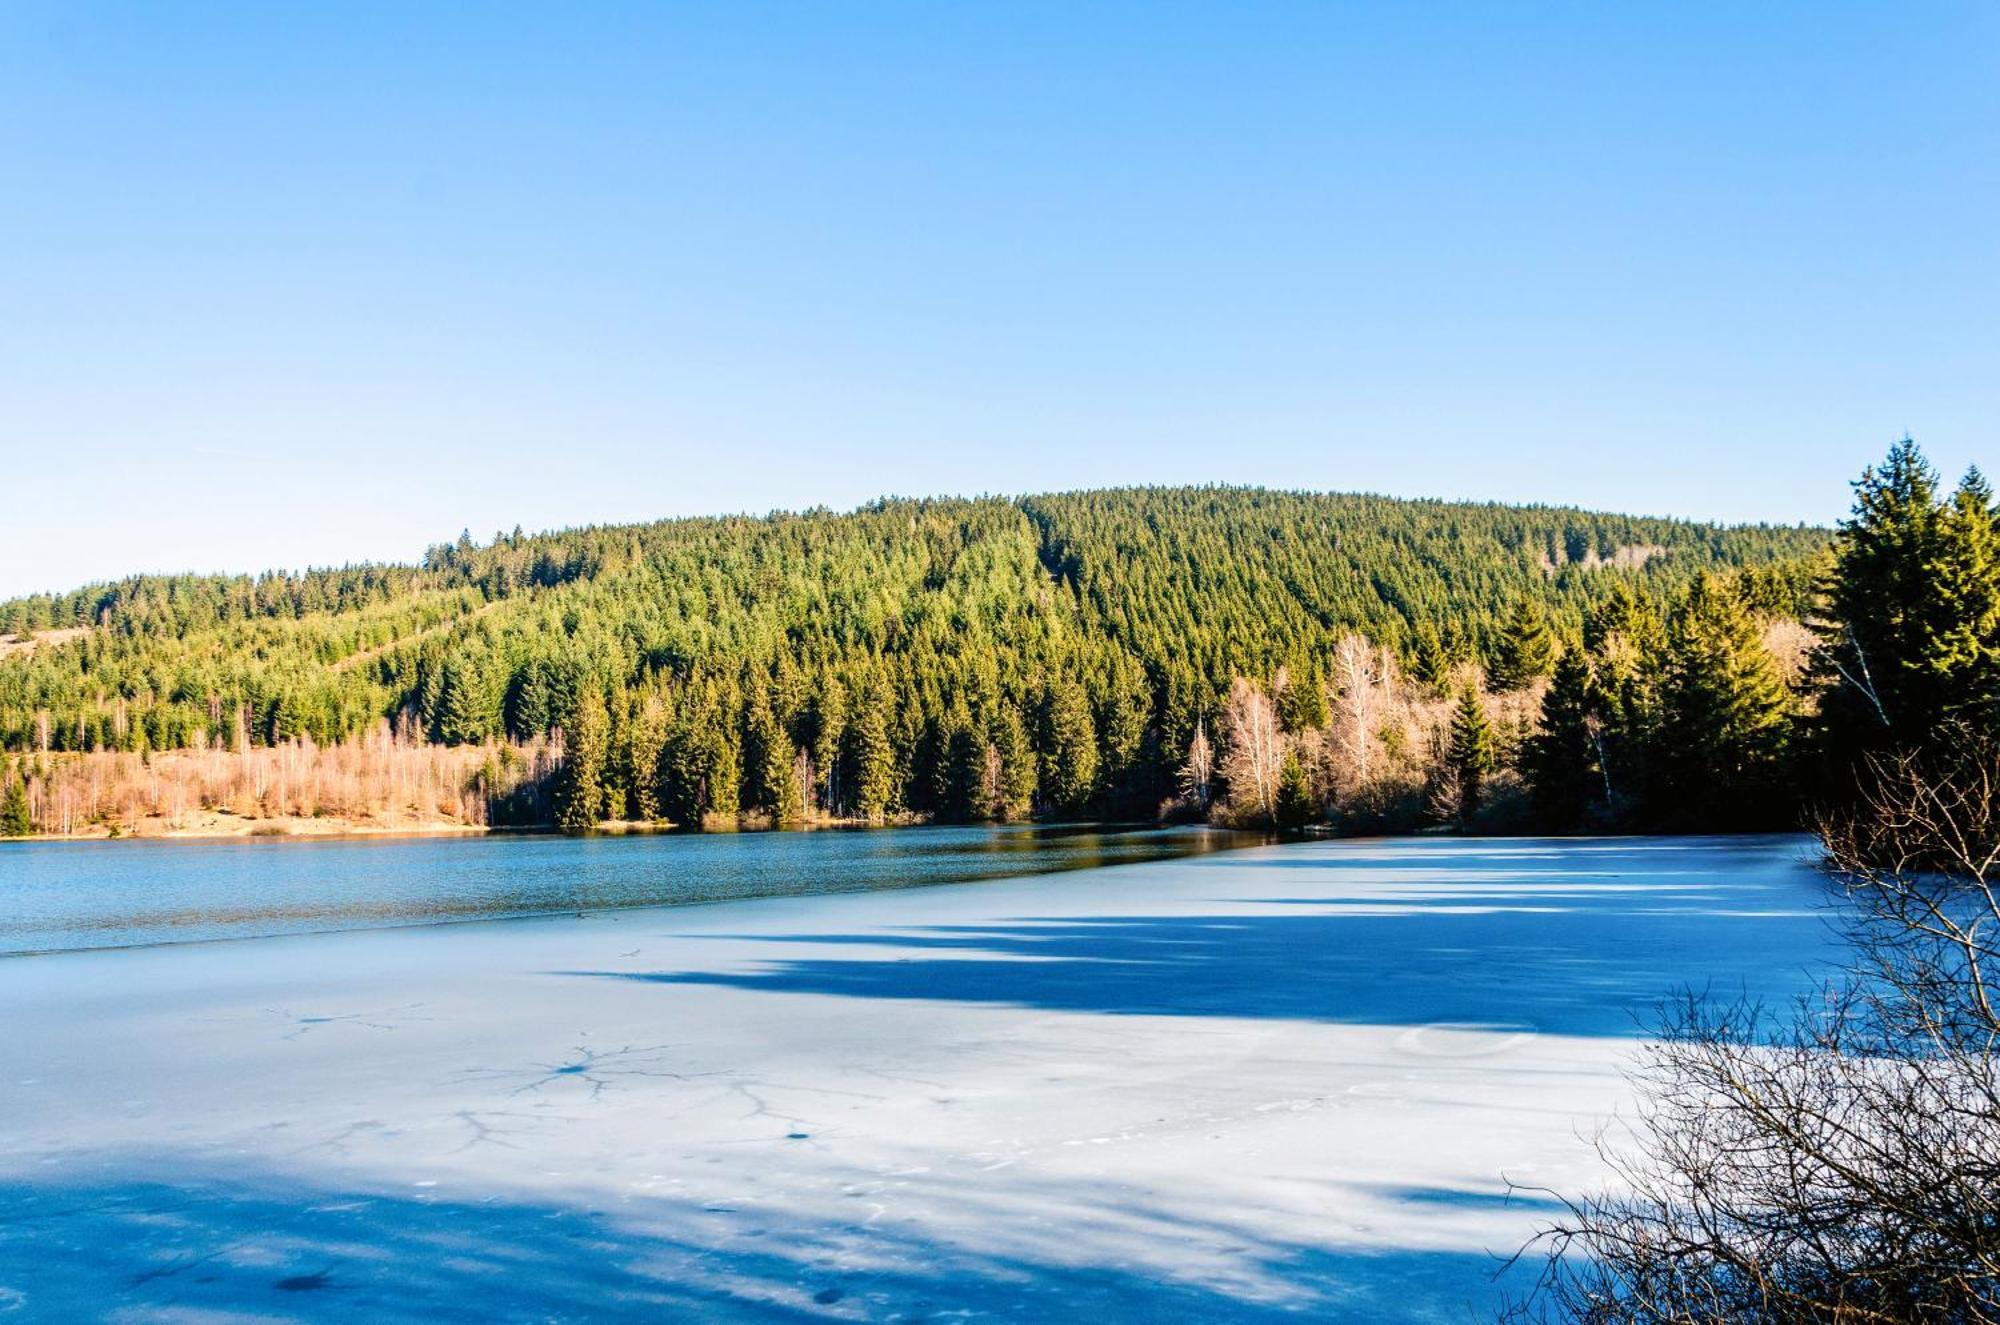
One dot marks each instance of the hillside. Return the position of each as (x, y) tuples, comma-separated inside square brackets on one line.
[(848, 654)]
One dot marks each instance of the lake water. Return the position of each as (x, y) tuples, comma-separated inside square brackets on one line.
[(63, 896)]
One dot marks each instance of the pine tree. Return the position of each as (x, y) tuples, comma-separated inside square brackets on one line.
[(1472, 752), (15, 820), (1069, 749), (1723, 719), (874, 761), (580, 783), (1526, 649), (1879, 601), (462, 717), (1561, 759), (1430, 662), (1009, 737), (647, 740), (771, 756), (1296, 807), (530, 705), (1961, 649)]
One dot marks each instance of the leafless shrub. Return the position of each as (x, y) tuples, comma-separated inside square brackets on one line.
[(1841, 1163)]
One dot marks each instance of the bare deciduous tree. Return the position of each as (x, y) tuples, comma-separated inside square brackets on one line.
[(1363, 686), (1199, 771), (1255, 753)]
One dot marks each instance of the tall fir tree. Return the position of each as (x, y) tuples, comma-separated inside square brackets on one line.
[(15, 818), (1069, 750), (1723, 717), (1882, 691), (1561, 759), (1472, 752), (1009, 736), (580, 783), (1296, 804), (1526, 649), (874, 760), (1962, 633)]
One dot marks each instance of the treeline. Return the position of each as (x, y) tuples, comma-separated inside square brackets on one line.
[(1051, 656)]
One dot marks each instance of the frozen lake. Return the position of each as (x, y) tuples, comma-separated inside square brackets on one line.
[(1224, 1086)]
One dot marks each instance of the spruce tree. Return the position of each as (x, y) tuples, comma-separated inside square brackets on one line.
[(647, 740), (1561, 758), (1962, 633), (1526, 649), (580, 782), (1430, 662), (1009, 735), (1069, 749), (15, 820), (1472, 753), (874, 764), (1723, 717), (530, 703), (462, 717), (1883, 691), (771, 756), (1296, 807)]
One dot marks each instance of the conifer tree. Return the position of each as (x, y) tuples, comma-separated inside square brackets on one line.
[(1561, 759), (1723, 719), (1526, 649), (1069, 749), (1430, 662), (874, 764), (15, 820), (829, 710), (1472, 753), (1296, 807), (580, 784), (771, 757), (1009, 736), (461, 708), (530, 704), (647, 740), (1962, 636), (725, 774), (1878, 599)]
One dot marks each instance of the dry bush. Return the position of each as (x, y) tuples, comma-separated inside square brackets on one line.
[(380, 779), (1843, 1163)]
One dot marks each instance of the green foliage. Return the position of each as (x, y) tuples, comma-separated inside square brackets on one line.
[(1911, 635), (874, 761), (1472, 753), (1069, 749), (1562, 760), (1053, 654), (1296, 805), (15, 820), (580, 784), (1724, 716), (1526, 649)]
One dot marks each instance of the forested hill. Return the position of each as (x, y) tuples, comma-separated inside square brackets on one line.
[(1112, 619)]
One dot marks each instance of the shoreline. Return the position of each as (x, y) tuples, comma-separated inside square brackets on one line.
[(223, 826)]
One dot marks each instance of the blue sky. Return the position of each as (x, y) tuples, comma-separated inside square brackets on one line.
[(284, 284)]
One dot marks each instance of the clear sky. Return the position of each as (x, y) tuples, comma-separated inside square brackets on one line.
[(290, 284)]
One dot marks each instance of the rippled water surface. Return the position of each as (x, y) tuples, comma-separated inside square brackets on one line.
[(66, 895)]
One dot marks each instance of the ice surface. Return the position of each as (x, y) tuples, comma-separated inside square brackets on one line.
[(1256, 1084)]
